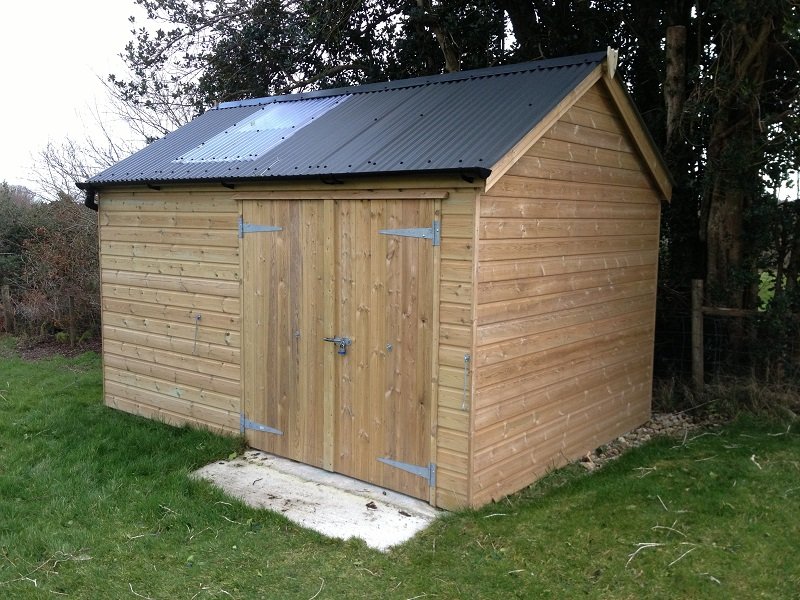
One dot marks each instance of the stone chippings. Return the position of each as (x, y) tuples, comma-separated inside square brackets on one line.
[(660, 424)]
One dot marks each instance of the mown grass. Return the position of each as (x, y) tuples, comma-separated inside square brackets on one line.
[(97, 504)]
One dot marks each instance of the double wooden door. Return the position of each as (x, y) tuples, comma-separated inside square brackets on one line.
[(316, 269)]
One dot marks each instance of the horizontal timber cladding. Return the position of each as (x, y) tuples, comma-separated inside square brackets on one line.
[(171, 305), (567, 253), (567, 437), (456, 339)]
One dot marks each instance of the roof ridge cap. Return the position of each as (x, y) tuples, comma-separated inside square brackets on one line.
[(412, 82)]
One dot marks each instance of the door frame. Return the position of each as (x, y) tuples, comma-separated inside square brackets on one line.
[(329, 386)]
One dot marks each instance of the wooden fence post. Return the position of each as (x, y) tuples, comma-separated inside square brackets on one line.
[(698, 376), (8, 310)]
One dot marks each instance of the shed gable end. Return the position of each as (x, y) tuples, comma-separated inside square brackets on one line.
[(565, 301), (597, 107)]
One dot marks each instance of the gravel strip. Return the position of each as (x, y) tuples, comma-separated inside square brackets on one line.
[(669, 424)]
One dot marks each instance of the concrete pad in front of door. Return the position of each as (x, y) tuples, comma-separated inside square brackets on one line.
[(332, 504)]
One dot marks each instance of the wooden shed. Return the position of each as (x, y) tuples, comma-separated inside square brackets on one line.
[(444, 286)]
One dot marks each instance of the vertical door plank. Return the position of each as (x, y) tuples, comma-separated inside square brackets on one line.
[(379, 422), (344, 289), (269, 413), (294, 403), (432, 357), (363, 405), (423, 341), (392, 315), (309, 331), (330, 380), (279, 322), (252, 325)]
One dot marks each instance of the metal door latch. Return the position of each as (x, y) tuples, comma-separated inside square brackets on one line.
[(341, 343)]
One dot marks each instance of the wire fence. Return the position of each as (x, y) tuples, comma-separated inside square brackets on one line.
[(760, 345)]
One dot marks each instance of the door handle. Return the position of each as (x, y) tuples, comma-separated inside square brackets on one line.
[(341, 343)]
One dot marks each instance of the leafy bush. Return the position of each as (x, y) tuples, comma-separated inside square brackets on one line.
[(49, 260), (16, 212)]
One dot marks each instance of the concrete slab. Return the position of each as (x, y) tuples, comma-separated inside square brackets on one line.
[(332, 504)]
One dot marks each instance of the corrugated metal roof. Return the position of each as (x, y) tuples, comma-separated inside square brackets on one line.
[(463, 121)]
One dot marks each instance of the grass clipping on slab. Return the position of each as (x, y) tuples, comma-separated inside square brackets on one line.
[(95, 503)]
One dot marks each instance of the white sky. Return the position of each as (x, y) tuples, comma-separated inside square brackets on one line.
[(51, 54)]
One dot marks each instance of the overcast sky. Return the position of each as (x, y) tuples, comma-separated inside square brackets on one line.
[(51, 54)]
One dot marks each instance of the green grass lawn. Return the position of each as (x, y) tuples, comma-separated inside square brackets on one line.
[(97, 504)]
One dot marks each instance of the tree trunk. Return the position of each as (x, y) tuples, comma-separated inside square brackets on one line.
[(724, 233), (521, 13), (675, 82), (8, 309), (452, 60), (734, 159), (788, 271)]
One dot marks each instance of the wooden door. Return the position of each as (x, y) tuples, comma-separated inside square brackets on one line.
[(282, 304), (329, 272), (384, 302)]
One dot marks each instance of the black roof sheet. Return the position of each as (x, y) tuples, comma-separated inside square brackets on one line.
[(464, 121)]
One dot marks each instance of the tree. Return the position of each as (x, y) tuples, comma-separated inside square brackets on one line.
[(747, 103), (716, 82), (209, 52)]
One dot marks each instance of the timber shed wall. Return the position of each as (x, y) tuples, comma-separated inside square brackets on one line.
[(566, 282), (543, 293), (170, 296)]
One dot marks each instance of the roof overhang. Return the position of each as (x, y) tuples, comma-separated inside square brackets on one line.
[(644, 141), (469, 175)]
